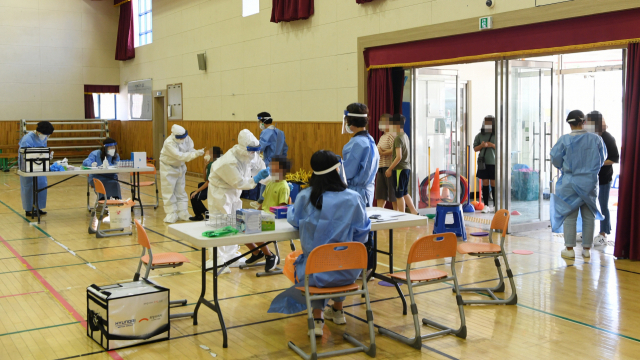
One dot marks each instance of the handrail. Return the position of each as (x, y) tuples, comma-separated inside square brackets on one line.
[(75, 138)]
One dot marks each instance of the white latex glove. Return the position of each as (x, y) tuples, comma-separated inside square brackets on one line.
[(94, 164), (200, 152), (51, 155)]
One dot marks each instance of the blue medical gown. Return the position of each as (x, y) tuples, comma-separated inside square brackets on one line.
[(343, 218), (272, 143), (579, 157), (361, 159), (110, 181), (32, 140)]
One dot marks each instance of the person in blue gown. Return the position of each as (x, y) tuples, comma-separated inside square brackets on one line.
[(37, 138), (579, 155), (104, 157), (360, 154), (325, 213), (272, 142)]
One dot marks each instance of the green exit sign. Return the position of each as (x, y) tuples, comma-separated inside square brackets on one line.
[(486, 23)]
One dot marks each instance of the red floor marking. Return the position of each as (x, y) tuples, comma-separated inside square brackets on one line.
[(52, 291), (33, 292)]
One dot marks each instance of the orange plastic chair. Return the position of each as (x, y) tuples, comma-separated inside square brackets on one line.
[(500, 225), (149, 183), (157, 261), (100, 190), (334, 257), (430, 247)]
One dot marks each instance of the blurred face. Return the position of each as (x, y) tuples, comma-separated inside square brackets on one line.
[(276, 172), (384, 124), (487, 126)]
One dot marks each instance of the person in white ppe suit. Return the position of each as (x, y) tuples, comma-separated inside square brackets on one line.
[(240, 168), (176, 151)]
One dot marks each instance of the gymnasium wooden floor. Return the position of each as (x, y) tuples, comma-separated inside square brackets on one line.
[(566, 309)]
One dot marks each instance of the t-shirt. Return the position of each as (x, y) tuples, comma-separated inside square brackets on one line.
[(606, 171), (402, 141), (275, 193), (208, 169), (385, 143), (489, 153)]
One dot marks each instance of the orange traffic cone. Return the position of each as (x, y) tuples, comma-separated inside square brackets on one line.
[(434, 193)]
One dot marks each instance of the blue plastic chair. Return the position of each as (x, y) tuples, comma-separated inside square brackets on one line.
[(440, 226)]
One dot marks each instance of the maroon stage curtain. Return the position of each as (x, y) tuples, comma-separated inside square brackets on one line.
[(291, 10), (379, 98), (125, 49), (613, 26), (628, 229), (363, 1), (89, 111), (105, 89)]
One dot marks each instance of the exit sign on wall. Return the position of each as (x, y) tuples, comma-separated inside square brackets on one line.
[(486, 23)]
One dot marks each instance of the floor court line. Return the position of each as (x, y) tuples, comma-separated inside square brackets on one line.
[(40, 328), (61, 300), (27, 293)]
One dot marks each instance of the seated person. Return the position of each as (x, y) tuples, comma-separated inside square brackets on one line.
[(200, 195), (325, 213), (276, 193), (104, 157)]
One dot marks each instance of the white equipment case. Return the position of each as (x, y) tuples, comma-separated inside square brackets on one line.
[(127, 314), (35, 159)]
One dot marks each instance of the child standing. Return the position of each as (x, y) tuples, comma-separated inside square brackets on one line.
[(400, 169)]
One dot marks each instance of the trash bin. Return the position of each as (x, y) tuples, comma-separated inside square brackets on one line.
[(120, 216)]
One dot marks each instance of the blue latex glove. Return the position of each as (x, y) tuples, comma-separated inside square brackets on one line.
[(263, 174), (290, 187)]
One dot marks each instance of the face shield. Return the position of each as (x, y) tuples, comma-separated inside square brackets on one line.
[(345, 126), (339, 167), (111, 148)]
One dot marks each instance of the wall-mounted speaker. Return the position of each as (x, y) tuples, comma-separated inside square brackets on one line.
[(202, 61)]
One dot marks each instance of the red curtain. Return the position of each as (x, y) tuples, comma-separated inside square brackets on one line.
[(379, 98), (89, 111), (628, 229), (613, 26), (363, 1), (291, 10), (108, 89), (125, 49)]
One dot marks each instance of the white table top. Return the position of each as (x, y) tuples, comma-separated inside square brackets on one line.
[(192, 232), (86, 172)]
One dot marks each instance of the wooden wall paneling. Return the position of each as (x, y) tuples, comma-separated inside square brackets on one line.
[(135, 135), (9, 133), (303, 138)]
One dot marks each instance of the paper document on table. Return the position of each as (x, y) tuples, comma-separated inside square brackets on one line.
[(384, 217)]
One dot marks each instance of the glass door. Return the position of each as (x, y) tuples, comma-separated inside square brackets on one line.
[(435, 139), (526, 138)]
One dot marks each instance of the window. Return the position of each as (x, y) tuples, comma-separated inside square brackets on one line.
[(250, 7), (142, 22), (104, 106)]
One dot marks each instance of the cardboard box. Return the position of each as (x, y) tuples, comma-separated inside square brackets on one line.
[(268, 222), (249, 221), (279, 211), (139, 159)]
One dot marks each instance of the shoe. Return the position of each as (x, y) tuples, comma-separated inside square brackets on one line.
[(171, 218), (42, 212), (196, 218), (600, 240), (270, 262), (319, 324), (184, 215), (586, 253), (568, 254), (486, 209), (28, 213), (337, 316), (254, 258)]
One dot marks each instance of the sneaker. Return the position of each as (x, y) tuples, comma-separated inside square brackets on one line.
[(568, 254), (337, 316), (485, 209), (585, 253), (270, 262), (319, 324), (254, 258), (600, 240)]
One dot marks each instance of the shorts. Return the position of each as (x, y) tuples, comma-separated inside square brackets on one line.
[(384, 188), (400, 180), (489, 173)]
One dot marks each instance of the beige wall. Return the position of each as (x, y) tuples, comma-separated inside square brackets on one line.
[(48, 50), (304, 70)]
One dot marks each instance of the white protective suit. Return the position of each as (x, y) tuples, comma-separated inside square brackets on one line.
[(172, 174), (229, 175)]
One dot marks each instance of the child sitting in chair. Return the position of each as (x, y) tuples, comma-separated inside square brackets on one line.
[(276, 193)]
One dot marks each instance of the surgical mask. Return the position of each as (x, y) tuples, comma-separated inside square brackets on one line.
[(487, 128), (345, 126), (262, 127), (382, 127), (207, 158), (111, 152), (179, 141), (590, 128), (43, 137), (276, 176)]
